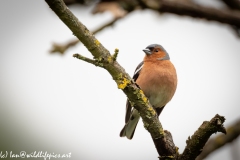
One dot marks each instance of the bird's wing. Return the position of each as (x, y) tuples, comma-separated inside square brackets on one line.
[(137, 71), (128, 105)]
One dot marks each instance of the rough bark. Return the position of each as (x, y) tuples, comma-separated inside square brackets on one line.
[(196, 142), (102, 58), (219, 141)]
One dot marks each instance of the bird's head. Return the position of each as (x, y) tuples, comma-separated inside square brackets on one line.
[(156, 51)]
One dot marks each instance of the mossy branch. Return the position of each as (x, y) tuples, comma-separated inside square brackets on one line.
[(108, 62), (102, 58), (233, 132), (196, 142)]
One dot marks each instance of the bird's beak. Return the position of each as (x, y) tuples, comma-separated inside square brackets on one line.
[(147, 51)]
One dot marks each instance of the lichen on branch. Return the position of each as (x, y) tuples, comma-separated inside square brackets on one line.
[(102, 58), (101, 54)]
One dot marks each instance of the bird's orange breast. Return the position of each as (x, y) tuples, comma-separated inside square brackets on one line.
[(158, 80)]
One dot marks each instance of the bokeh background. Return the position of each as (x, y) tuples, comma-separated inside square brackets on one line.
[(59, 104)]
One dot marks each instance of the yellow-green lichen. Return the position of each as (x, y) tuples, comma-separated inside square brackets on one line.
[(114, 56), (110, 59), (151, 110), (123, 83), (177, 149), (86, 31), (99, 59), (119, 76), (116, 50), (97, 42), (161, 131), (142, 96)]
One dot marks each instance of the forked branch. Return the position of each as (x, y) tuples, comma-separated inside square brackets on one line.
[(102, 58)]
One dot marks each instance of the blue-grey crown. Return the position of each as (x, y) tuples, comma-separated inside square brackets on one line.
[(167, 57)]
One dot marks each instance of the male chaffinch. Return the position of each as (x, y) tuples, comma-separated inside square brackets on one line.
[(157, 77)]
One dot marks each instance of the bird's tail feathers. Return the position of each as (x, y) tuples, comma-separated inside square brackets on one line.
[(129, 128)]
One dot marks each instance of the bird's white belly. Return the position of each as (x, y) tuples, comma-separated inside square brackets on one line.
[(160, 98)]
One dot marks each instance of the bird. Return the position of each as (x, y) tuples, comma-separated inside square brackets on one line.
[(156, 76)]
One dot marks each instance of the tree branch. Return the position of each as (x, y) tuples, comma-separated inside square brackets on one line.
[(184, 8), (92, 61), (61, 48), (166, 147), (102, 58), (200, 137), (106, 61), (82, 2), (219, 141), (188, 8), (233, 4)]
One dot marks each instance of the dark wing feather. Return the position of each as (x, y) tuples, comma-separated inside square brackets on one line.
[(128, 111), (137, 71), (159, 110), (128, 105)]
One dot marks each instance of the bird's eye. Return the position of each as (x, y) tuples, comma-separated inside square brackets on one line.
[(156, 50)]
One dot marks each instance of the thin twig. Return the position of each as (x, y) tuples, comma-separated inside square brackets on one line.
[(233, 4), (61, 48), (229, 16), (188, 8), (114, 56), (94, 62)]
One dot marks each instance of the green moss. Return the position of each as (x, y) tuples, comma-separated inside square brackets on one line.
[(132, 103), (114, 57), (146, 125), (120, 76)]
